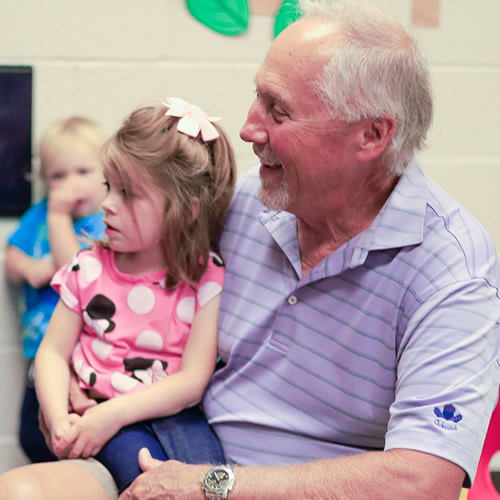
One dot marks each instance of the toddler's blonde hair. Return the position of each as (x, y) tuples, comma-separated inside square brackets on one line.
[(64, 131)]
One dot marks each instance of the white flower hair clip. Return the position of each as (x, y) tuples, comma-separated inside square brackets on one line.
[(193, 119)]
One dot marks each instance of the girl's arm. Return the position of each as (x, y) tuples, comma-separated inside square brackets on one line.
[(163, 398), (52, 364), (20, 267)]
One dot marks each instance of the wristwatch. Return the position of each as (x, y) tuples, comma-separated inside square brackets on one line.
[(218, 482)]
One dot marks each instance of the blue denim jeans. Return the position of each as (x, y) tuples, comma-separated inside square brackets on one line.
[(30, 436), (186, 437)]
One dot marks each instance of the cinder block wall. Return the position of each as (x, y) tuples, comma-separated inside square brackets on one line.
[(102, 59)]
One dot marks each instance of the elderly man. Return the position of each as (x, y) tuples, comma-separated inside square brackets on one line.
[(359, 319)]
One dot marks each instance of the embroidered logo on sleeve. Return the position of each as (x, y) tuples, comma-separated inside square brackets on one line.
[(447, 418)]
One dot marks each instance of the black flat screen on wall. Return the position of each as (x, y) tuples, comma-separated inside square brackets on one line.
[(15, 139)]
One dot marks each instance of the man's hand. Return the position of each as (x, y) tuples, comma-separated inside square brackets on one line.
[(166, 480), (146, 461), (40, 272)]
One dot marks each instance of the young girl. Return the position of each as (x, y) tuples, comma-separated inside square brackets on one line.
[(46, 238), (138, 312)]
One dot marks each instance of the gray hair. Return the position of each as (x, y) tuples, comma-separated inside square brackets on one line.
[(376, 70)]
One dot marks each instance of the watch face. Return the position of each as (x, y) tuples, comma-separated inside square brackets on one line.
[(219, 479)]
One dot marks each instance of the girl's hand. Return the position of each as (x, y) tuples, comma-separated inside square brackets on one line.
[(78, 400), (64, 434), (78, 403), (96, 426)]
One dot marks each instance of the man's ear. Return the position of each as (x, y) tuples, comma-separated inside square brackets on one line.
[(376, 135), (195, 208)]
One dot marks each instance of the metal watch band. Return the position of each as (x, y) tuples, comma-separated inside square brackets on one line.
[(213, 496)]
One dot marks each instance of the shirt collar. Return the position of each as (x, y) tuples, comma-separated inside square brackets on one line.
[(400, 222)]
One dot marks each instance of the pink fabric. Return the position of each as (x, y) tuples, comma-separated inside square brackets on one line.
[(134, 331)]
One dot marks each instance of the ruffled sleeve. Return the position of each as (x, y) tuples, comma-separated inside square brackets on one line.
[(211, 282), (65, 282)]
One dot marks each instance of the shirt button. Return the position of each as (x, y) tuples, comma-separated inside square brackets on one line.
[(292, 300)]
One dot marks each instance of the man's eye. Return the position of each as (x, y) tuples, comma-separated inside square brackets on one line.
[(278, 113)]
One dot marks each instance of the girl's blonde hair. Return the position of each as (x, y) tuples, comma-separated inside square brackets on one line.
[(62, 132), (182, 167)]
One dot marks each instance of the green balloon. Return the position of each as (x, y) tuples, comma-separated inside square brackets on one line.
[(287, 14), (228, 17)]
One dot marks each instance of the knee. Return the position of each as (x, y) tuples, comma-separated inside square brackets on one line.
[(20, 484)]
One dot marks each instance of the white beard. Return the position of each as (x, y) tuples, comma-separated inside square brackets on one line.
[(277, 199)]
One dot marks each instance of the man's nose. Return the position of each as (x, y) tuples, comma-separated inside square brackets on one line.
[(253, 129)]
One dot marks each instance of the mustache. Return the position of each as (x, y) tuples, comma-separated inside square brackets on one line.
[(266, 155)]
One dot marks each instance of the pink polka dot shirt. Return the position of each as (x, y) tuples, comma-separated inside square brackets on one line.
[(134, 330)]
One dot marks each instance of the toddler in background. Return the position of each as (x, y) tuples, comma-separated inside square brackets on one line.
[(138, 312), (46, 238)]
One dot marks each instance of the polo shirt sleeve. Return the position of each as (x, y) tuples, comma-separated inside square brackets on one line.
[(448, 374)]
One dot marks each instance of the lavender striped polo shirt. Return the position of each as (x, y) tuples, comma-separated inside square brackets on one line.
[(389, 342)]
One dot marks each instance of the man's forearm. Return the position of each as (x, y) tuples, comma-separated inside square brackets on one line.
[(389, 475)]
